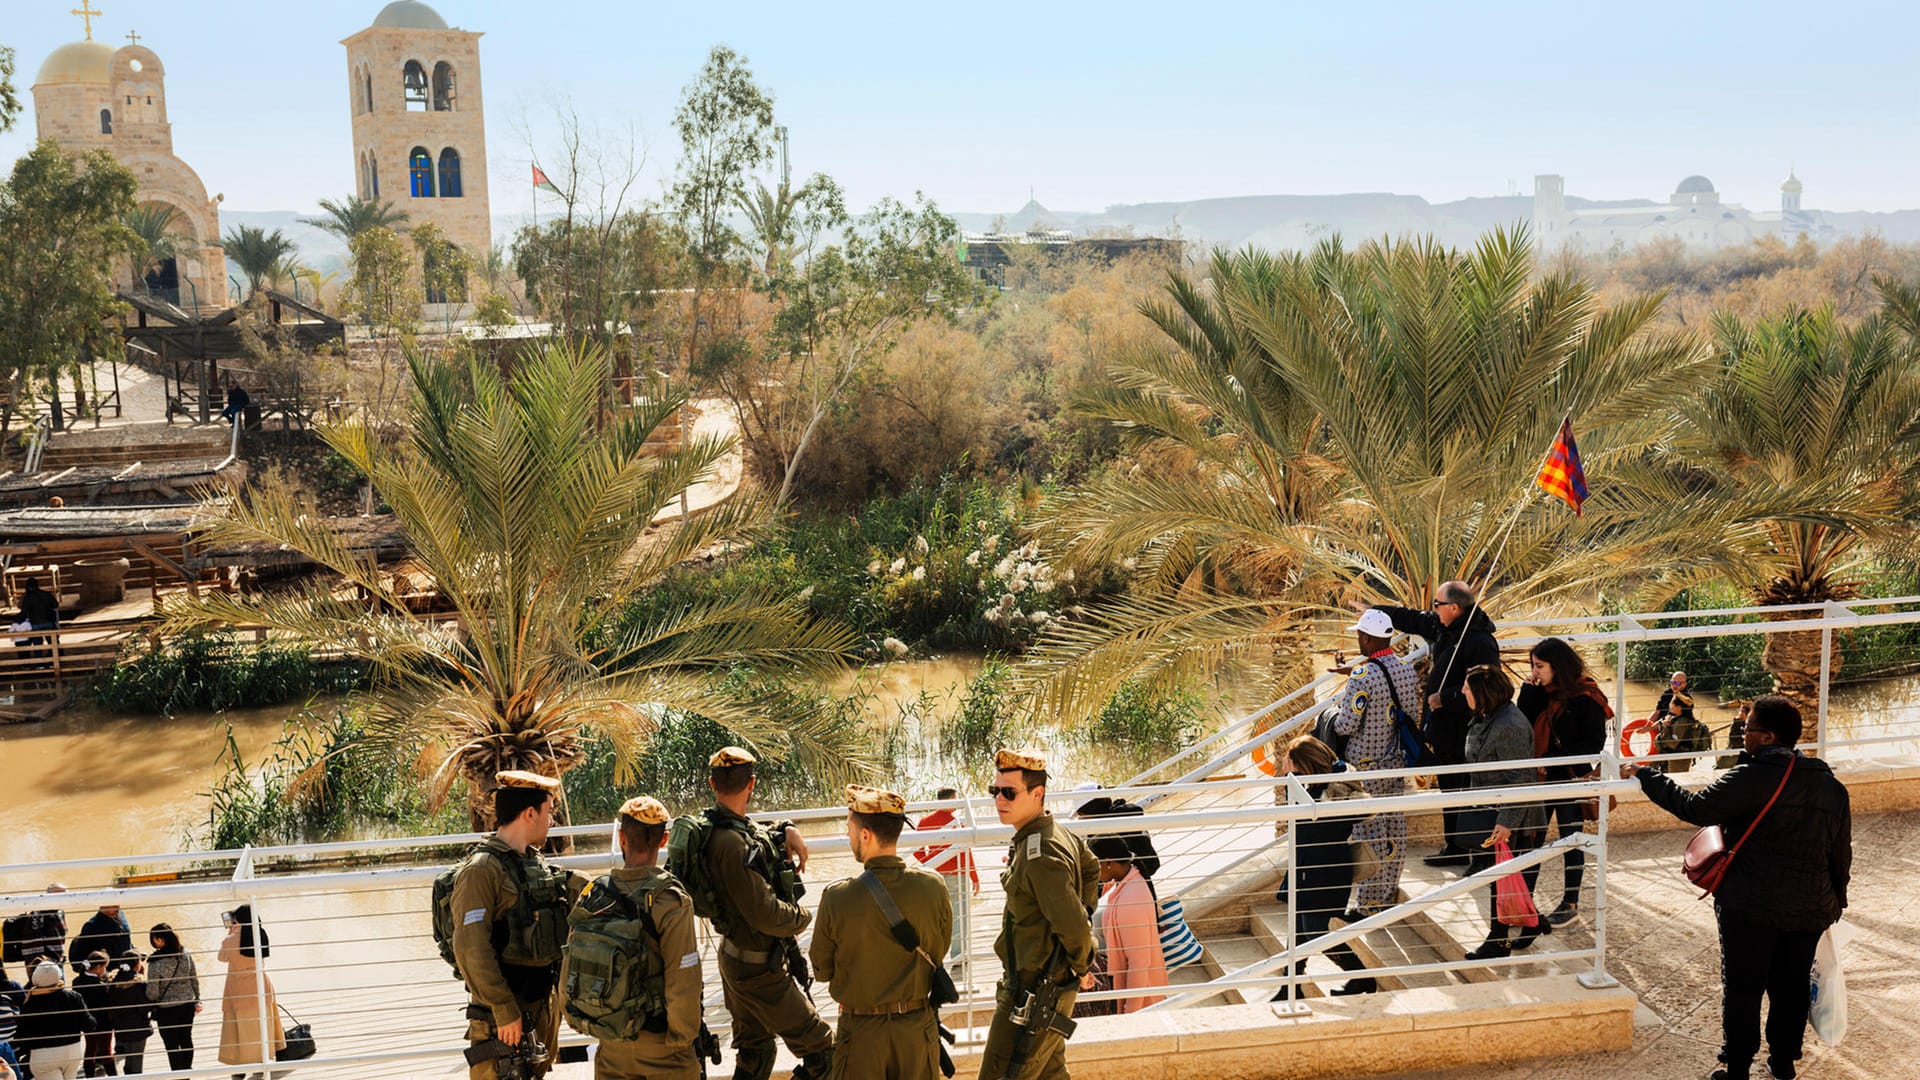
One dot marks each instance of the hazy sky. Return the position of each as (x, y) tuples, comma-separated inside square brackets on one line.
[(1094, 104)]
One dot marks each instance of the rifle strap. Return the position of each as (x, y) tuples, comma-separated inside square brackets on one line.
[(903, 931)]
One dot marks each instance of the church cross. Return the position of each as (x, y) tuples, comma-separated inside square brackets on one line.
[(86, 11), (133, 38)]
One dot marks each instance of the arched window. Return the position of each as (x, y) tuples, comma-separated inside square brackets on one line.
[(420, 171), (450, 173), (443, 87), (414, 82), (106, 121), (366, 89), (373, 170)]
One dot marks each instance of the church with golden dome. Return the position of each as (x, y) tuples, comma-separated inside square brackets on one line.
[(88, 95)]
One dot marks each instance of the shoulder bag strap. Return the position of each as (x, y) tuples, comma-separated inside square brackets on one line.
[(1393, 694), (903, 931), (1763, 810)]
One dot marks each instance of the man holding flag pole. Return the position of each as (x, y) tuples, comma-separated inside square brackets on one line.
[(1460, 636)]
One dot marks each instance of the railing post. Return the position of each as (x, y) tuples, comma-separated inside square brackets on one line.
[(1826, 680), (1598, 979), (1296, 793)]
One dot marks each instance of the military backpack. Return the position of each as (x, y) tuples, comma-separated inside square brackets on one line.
[(616, 984), (687, 843), (533, 930)]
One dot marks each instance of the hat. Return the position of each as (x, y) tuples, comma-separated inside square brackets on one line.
[(729, 755), (1374, 623), (1110, 848), (1081, 798), (644, 809), (870, 800), (1030, 758), (46, 975), (519, 778)]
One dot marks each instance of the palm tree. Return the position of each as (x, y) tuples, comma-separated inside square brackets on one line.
[(534, 525), (770, 212), (1821, 419), (354, 215), (158, 241), (256, 252), (1360, 425)]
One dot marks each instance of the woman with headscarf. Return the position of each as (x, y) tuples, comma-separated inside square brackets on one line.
[(242, 1019)]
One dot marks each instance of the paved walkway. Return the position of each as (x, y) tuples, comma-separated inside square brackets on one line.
[(1661, 943)]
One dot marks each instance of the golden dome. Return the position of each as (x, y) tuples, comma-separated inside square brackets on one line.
[(79, 62), (1793, 186)]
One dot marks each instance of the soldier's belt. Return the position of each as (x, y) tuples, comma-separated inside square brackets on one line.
[(745, 956), (901, 1008)]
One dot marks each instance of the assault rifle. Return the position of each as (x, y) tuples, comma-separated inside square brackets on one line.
[(706, 1047), (523, 1062), (1036, 1012)]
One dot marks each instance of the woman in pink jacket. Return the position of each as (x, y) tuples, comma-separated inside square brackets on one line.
[(1129, 918)]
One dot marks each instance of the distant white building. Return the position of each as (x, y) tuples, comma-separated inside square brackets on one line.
[(1693, 214)]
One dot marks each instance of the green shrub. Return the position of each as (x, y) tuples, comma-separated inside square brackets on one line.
[(212, 672)]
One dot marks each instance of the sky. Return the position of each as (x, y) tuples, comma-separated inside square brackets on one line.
[(1088, 105)]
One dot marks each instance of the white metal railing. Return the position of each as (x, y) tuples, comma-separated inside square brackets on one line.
[(351, 956)]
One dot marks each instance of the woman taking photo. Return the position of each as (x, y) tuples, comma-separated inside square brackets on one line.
[(1569, 714), (1499, 732), (173, 985), (240, 1000)]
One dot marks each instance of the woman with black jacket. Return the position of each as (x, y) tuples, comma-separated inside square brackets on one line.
[(54, 1024), (1569, 714), (173, 985)]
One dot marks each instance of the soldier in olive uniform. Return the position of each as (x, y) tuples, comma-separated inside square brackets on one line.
[(1052, 882), (511, 909), (887, 1027), (760, 984), (664, 1048)]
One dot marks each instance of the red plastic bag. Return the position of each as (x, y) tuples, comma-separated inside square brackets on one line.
[(1512, 900)]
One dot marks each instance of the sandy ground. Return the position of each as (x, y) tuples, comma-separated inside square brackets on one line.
[(1662, 944)]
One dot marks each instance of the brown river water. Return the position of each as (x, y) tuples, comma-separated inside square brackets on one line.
[(87, 784)]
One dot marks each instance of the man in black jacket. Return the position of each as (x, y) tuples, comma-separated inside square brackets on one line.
[(107, 931), (1784, 887), (1460, 638)]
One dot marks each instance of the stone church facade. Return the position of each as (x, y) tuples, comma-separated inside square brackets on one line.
[(91, 95), (419, 136)]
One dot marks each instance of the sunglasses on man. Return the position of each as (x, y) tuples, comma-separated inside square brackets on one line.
[(1008, 793)]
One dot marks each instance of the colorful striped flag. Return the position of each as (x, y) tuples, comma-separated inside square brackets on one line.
[(1562, 475), (541, 183)]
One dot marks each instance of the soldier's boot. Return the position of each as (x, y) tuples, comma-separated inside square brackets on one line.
[(754, 1062), (815, 1066)]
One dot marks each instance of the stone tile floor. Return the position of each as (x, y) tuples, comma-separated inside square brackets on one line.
[(1662, 944)]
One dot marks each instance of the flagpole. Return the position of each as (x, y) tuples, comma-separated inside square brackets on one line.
[(1505, 535)]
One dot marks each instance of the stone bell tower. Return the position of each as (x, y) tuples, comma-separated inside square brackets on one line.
[(419, 136)]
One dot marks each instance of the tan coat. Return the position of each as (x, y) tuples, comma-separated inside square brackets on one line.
[(240, 1009)]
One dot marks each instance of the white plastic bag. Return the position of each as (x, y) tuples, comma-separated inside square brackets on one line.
[(1829, 989)]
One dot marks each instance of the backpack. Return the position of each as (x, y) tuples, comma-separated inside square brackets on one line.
[(531, 932), (687, 840), (1324, 731), (616, 978)]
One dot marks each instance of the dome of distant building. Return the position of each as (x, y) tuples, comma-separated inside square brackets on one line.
[(1695, 185), (410, 15), (1793, 185), (80, 62)]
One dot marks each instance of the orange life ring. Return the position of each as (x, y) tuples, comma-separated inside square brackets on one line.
[(1638, 727), (1262, 762)]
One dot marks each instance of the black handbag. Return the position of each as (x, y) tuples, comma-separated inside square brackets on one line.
[(299, 1040)]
